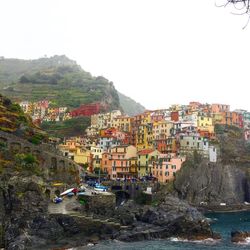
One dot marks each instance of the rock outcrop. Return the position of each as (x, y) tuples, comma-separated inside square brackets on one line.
[(240, 237), (172, 218), (214, 184)]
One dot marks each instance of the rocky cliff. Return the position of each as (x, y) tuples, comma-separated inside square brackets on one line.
[(213, 184), (226, 181)]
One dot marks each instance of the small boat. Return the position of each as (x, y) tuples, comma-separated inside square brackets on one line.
[(57, 184), (67, 191), (70, 194), (57, 200), (81, 193), (100, 188)]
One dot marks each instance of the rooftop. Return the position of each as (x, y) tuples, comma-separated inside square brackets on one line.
[(145, 151)]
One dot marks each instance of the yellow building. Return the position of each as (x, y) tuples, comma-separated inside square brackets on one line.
[(82, 156), (144, 137), (162, 129), (217, 118), (205, 123), (133, 166), (122, 123), (145, 161)]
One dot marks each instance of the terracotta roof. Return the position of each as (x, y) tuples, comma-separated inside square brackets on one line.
[(145, 151)]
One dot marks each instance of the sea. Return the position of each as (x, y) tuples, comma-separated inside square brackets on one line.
[(222, 223)]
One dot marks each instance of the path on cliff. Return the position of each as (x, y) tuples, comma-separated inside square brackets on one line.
[(65, 207)]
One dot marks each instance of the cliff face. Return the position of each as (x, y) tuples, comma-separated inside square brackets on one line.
[(129, 106), (213, 183), (226, 181)]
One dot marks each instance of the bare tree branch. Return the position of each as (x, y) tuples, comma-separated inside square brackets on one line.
[(242, 7)]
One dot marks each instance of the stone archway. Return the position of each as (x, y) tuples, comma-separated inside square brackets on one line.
[(53, 163), (121, 196), (61, 165), (26, 150), (15, 147)]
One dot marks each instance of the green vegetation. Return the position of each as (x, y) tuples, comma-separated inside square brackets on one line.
[(27, 162), (13, 120), (70, 127), (58, 79), (36, 139), (193, 160), (62, 81)]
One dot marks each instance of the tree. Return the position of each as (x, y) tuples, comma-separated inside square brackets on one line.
[(242, 7)]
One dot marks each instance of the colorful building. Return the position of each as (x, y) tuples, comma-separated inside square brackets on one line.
[(106, 164), (162, 130), (190, 143), (122, 161), (144, 137), (165, 168), (86, 110), (232, 119), (219, 108), (145, 159)]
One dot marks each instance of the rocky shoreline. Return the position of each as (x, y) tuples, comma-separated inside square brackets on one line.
[(224, 209), (27, 224)]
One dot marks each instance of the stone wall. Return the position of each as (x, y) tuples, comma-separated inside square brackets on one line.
[(99, 203), (58, 167)]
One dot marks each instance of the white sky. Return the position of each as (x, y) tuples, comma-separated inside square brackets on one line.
[(158, 52)]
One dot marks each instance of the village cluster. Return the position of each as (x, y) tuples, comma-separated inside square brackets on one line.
[(43, 111), (152, 144)]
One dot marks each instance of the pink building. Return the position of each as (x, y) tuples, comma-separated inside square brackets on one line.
[(122, 158), (166, 167), (247, 135)]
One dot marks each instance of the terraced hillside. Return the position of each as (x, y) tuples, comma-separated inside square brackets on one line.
[(13, 120), (58, 79)]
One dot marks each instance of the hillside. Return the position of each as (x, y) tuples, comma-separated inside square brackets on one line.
[(60, 80), (13, 120), (130, 106), (72, 127)]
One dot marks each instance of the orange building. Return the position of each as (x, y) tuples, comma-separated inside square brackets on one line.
[(106, 166), (232, 119), (218, 108), (194, 105)]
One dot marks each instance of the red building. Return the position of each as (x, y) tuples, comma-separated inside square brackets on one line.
[(175, 116), (86, 110)]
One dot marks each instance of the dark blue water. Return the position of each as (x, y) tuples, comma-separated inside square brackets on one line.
[(224, 224)]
